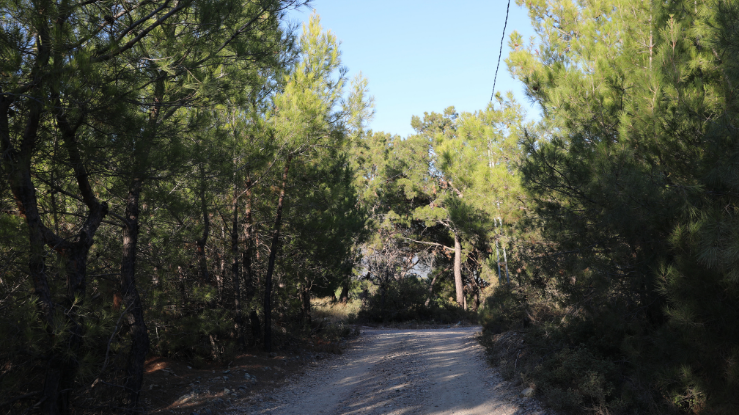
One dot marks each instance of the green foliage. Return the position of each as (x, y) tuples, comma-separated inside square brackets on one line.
[(504, 310), (632, 178), (180, 117), (405, 300)]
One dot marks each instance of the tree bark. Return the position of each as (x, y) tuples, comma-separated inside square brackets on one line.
[(236, 280), (247, 261), (17, 162), (248, 245), (458, 270), (134, 319), (344, 295), (200, 243), (134, 308), (305, 302), (271, 262), (431, 291)]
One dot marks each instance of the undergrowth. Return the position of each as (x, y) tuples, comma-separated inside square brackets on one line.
[(575, 364)]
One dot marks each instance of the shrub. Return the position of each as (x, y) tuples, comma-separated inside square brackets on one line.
[(504, 310), (405, 300)]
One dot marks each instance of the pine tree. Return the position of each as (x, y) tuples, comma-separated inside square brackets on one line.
[(627, 170)]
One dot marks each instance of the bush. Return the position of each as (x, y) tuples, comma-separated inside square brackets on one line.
[(405, 300), (577, 363), (504, 310)]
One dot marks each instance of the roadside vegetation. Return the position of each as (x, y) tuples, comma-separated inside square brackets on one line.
[(625, 294)]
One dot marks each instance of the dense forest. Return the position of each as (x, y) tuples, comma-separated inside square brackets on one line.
[(182, 178)]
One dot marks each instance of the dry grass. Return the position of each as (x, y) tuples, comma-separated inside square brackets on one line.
[(331, 311)]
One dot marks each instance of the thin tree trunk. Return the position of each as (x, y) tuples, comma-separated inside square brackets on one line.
[(476, 304), (497, 261), (431, 291), (183, 287), (458, 270), (200, 243), (134, 308), (254, 322), (505, 261), (238, 321), (221, 274), (271, 262), (248, 245), (305, 302), (344, 295)]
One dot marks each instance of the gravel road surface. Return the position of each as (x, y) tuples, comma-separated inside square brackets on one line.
[(400, 372)]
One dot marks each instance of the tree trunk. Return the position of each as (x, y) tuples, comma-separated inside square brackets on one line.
[(247, 261), (505, 261), (135, 313), (431, 291), (271, 262), (476, 304), (134, 318), (255, 327), (220, 276), (248, 245), (236, 282), (305, 302), (200, 243), (62, 365), (344, 295), (183, 289), (458, 270), (497, 261)]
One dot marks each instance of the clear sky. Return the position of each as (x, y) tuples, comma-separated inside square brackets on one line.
[(423, 55)]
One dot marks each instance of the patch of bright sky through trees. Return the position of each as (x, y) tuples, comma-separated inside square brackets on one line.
[(424, 55)]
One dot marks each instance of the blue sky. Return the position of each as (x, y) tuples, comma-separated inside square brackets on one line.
[(423, 55)]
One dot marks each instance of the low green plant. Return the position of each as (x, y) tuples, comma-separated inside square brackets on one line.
[(407, 300)]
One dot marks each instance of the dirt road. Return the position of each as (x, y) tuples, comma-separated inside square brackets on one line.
[(400, 372)]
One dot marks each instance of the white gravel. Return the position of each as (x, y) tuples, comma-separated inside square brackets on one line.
[(400, 372)]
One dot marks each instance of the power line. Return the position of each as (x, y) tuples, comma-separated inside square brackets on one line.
[(500, 52)]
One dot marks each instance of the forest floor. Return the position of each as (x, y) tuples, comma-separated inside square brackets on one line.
[(383, 371)]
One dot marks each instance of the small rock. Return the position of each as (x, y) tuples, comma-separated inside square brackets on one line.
[(226, 372), (189, 367), (527, 393), (226, 391), (225, 378)]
